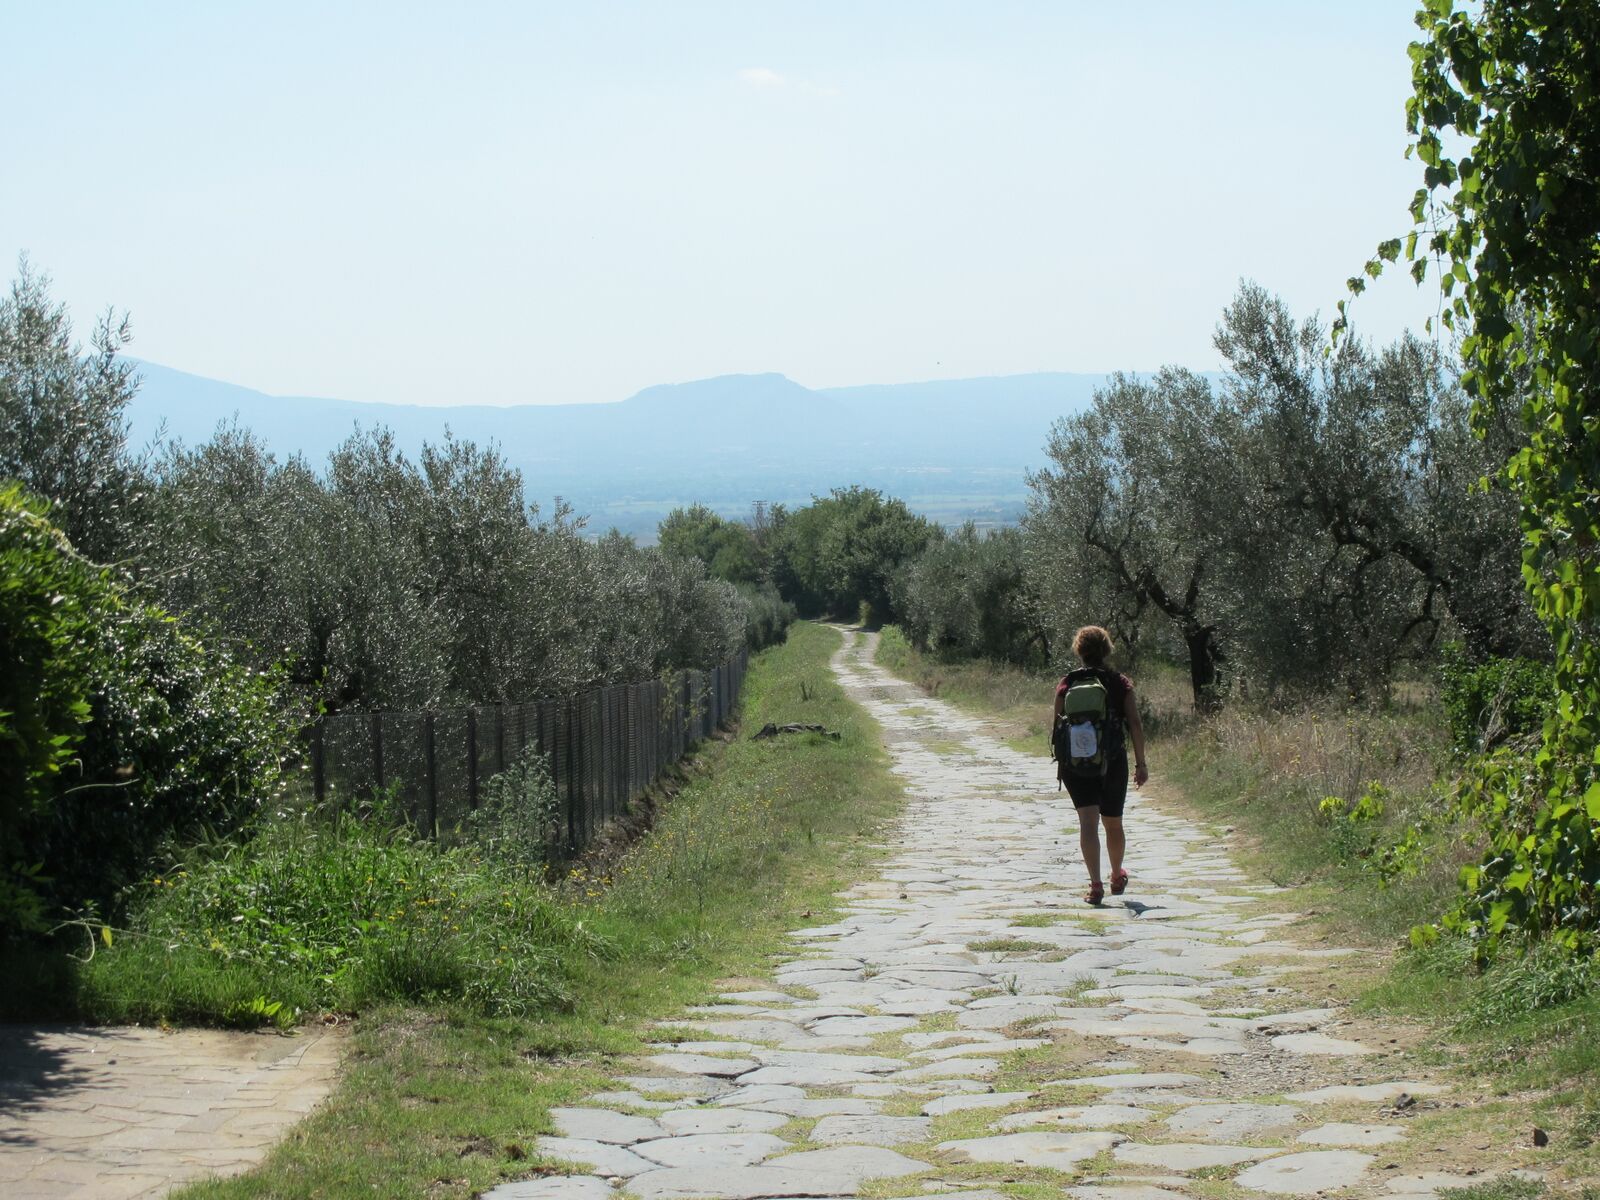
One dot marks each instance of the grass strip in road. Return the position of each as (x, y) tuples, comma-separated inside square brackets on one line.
[(442, 1101)]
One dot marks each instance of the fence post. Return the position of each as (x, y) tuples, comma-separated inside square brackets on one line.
[(377, 750), (500, 737), (609, 804), (574, 776), (472, 758), (433, 775), (319, 773)]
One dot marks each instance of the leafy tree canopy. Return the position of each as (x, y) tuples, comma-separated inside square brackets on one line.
[(1506, 118), (841, 550), (727, 548)]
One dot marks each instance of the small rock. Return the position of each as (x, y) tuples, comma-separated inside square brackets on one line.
[(1540, 1137)]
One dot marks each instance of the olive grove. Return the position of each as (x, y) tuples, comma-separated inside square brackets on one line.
[(1306, 523), (172, 618)]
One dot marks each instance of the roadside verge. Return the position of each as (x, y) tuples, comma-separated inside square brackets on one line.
[(442, 1102)]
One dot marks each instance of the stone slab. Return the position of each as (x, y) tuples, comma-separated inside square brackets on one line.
[(720, 1120), (1230, 1122), (600, 1157), (1320, 1043), (1033, 1149), (603, 1125), (1306, 1174), (871, 1130), (1087, 1116), (1186, 1156), (1340, 1133), (553, 1187), (711, 1150)]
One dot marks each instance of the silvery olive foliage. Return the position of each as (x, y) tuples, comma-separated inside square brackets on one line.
[(392, 584), (1309, 522), (968, 595), (376, 580), (1123, 527), (62, 429), (164, 692)]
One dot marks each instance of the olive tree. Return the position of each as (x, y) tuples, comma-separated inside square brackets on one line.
[(63, 429), (1127, 521), (392, 583), (1360, 534), (968, 594)]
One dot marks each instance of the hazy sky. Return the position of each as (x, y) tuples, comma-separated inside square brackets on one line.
[(519, 202)]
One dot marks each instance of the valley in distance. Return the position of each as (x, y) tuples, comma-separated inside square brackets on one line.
[(953, 450)]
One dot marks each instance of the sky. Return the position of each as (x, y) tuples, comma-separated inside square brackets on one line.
[(510, 203)]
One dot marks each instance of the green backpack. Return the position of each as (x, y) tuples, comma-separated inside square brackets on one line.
[(1082, 739)]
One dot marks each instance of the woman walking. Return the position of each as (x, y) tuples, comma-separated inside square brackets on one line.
[(1092, 759)]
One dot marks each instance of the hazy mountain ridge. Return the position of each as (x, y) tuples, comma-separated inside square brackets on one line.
[(953, 449)]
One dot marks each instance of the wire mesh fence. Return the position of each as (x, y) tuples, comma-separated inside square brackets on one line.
[(603, 749)]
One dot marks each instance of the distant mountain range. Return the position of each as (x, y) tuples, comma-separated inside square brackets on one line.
[(954, 450)]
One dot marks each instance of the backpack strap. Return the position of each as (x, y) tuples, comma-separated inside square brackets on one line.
[(1117, 695)]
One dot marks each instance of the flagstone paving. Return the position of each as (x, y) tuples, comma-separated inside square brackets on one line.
[(968, 1025), (112, 1114)]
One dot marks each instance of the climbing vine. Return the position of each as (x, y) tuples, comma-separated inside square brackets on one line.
[(1506, 122)]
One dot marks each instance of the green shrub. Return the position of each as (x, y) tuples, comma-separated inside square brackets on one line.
[(1353, 827), (47, 599), (518, 816), (894, 651), (1498, 698), (183, 741), (767, 617), (336, 912), (118, 730)]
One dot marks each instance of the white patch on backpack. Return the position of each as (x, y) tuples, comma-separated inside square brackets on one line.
[(1083, 741)]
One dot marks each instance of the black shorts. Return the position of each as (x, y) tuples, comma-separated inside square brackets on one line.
[(1108, 792)]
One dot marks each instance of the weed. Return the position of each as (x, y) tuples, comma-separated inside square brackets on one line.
[(336, 911), (1008, 945), (1508, 1188), (1517, 984)]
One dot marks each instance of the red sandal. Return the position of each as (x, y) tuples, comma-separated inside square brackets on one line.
[(1119, 882), (1096, 892)]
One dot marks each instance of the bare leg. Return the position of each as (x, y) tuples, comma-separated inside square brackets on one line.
[(1116, 843), (1089, 839)]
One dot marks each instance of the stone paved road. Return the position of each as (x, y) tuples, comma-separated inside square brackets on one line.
[(110, 1114), (969, 1024)]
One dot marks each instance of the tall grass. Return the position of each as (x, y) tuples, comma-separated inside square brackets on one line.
[(329, 912), (1320, 793)]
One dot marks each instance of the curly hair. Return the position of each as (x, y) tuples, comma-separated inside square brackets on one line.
[(1093, 645)]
